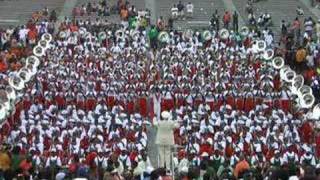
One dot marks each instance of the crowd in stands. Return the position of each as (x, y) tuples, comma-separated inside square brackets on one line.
[(101, 86)]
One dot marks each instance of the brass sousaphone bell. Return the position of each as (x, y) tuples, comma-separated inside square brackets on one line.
[(120, 35), (102, 35), (307, 101), (25, 74), (62, 34), (33, 61), (5, 105), (206, 35), (278, 62), (244, 31), (46, 37), (297, 83), (164, 37), (38, 51), (16, 82), (224, 34), (268, 54)]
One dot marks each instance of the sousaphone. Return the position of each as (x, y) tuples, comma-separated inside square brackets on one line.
[(33, 61), (44, 44), (24, 74), (62, 34), (206, 35), (224, 34), (278, 62), (120, 35), (244, 31), (134, 34), (316, 112), (307, 101), (268, 54), (297, 83), (38, 51), (11, 94), (102, 35), (289, 76), (16, 82), (46, 37), (163, 37)]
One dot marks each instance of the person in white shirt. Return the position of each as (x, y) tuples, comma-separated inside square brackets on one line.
[(189, 8)]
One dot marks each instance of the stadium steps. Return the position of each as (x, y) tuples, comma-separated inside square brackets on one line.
[(279, 11), (21, 10), (203, 11)]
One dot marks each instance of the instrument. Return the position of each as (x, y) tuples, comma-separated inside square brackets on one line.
[(303, 90), (120, 35), (44, 44), (224, 34), (316, 112), (24, 74), (163, 37), (12, 96), (259, 46), (297, 83), (307, 101), (289, 76), (33, 61), (62, 34), (283, 70), (244, 31), (16, 82), (46, 37), (278, 62), (268, 54), (135, 34), (38, 51), (206, 35), (82, 31), (102, 35)]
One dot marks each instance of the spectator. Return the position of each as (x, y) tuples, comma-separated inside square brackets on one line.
[(226, 19)]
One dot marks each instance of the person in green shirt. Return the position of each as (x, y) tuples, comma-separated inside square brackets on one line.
[(16, 159), (133, 22), (153, 35)]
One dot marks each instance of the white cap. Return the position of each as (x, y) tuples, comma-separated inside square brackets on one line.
[(165, 115)]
